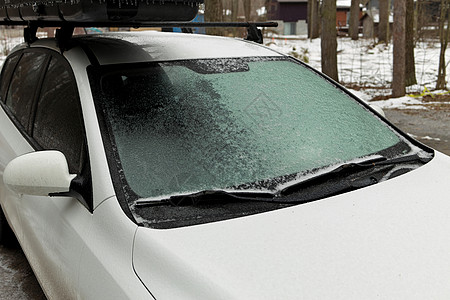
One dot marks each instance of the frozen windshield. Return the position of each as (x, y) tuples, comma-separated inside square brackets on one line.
[(186, 126)]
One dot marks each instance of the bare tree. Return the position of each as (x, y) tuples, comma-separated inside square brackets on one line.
[(383, 24), (354, 20), (444, 29), (234, 14), (328, 41), (410, 67), (267, 5), (398, 77), (313, 19), (213, 13), (234, 10), (247, 9)]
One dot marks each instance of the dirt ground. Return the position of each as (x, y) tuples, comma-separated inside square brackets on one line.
[(432, 127), (17, 280)]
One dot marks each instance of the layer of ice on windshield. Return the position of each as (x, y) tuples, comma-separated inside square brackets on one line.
[(220, 124)]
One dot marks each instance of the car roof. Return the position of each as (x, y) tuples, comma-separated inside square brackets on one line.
[(152, 46)]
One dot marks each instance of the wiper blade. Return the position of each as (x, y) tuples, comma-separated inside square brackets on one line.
[(348, 169), (341, 180), (403, 159), (344, 168), (206, 196)]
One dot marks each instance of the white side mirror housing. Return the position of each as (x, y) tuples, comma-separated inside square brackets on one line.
[(38, 173)]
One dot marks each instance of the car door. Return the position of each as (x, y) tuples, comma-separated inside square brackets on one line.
[(17, 91), (53, 228)]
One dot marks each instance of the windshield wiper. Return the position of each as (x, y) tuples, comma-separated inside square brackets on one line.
[(346, 170), (346, 177), (217, 196), (209, 196)]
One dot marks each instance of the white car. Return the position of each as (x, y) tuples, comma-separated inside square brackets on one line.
[(179, 166)]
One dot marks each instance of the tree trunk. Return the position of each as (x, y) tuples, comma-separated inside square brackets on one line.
[(410, 68), (354, 20), (328, 42), (310, 18), (313, 19), (398, 77), (383, 25), (443, 37), (420, 19), (234, 10), (247, 9), (234, 14), (267, 6), (213, 13)]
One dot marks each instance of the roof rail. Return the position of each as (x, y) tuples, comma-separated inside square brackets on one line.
[(57, 23), (65, 33)]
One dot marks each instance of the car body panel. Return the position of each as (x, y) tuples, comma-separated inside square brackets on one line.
[(55, 230), (12, 144), (103, 189), (53, 244), (106, 269), (156, 46), (387, 241), (152, 46)]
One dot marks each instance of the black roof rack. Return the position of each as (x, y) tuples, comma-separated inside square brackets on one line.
[(65, 33), (49, 23)]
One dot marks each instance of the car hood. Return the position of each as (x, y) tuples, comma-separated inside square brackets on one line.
[(390, 240)]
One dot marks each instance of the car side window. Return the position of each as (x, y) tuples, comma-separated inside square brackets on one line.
[(58, 123), (23, 85), (7, 71)]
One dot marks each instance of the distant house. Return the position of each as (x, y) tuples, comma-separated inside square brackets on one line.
[(291, 16), (342, 13), (370, 24), (427, 17), (371, 18)]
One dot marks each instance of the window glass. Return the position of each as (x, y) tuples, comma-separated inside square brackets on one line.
[(58, 124), (23, 86), (7, 70), (290, 28), (214, 124)]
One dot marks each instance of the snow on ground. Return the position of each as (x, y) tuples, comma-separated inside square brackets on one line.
[(424, 137), (402, 102), (366, 67)]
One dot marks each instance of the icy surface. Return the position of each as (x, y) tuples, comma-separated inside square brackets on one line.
[(185, 129), (16, 277)]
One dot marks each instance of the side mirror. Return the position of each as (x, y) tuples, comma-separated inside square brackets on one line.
[(378, 109), (38, 173)]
